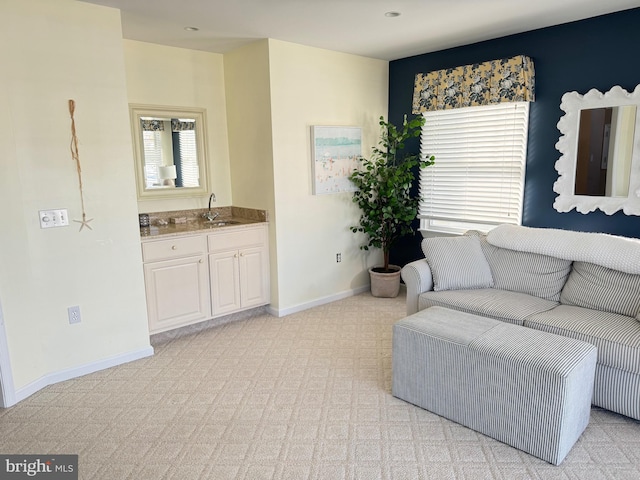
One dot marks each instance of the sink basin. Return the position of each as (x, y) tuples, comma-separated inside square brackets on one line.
[(222, 223)]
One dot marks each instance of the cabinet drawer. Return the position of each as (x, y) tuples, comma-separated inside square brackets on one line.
[(173, 248), (236, 239)]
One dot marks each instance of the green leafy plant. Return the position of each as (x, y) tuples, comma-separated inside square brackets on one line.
[(384, 187)]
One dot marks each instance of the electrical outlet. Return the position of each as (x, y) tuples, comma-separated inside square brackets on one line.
[(74, 314), (338, 257)]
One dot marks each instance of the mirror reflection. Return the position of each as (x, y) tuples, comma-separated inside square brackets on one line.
[(605, 146), (170, 153), (599, 145), (170, 150)]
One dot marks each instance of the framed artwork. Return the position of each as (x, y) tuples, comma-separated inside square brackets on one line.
[(335, 153)]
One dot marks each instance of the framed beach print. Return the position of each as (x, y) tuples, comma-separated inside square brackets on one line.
[(335, 153)]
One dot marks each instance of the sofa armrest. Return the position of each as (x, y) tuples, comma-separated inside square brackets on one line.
[(418, 279)]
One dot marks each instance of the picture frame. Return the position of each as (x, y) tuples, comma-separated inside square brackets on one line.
[(336, 151)]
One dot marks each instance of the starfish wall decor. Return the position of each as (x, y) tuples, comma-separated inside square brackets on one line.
[(76, 156)]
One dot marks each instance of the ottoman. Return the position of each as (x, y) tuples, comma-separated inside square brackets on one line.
[(526, 388)]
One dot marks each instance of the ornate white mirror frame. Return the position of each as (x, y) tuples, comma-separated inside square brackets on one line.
[(162, 184), (572, 104)]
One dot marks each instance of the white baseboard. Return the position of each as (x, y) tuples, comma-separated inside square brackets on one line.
[(75, 372), (282, 312)]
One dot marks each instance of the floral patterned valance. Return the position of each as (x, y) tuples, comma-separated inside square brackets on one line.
[(157, 124), (152, 125), (180, 125), (497, 81)]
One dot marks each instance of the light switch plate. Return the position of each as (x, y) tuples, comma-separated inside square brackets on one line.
[(54, 218)]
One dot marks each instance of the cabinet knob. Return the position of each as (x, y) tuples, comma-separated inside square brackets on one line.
[(235, 256), (200, 261), (174, 247), (242, 254)]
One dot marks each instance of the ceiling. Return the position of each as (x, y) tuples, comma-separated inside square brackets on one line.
[(358, 27)]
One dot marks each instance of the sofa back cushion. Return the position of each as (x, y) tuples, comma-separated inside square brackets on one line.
[(457, 263), (611, 251), (601, 288), (539, 275)]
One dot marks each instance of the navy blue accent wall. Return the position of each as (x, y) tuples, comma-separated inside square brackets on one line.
[(595, 53)]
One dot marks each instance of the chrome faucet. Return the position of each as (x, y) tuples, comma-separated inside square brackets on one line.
[(208, 214)]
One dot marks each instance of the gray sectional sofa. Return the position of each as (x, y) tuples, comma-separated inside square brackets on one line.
[(580, 285)]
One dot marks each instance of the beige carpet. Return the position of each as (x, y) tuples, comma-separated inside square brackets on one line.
[(304, 397)]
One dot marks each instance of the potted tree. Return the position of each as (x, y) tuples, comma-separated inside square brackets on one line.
[(384, 196)]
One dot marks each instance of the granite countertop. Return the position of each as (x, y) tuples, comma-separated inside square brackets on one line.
[(186, 222)]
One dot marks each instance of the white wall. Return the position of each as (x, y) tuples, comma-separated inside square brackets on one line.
[(276, 91), (6, 373), (311, 86), (53, 51), (248, 93), (160, 75)]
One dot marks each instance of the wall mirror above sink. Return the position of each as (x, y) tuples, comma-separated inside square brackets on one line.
[(599, 166), (170, 151)]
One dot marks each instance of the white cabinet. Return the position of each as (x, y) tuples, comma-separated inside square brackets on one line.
[(239, 269), (176, 278), (200, 276), (225, 282)]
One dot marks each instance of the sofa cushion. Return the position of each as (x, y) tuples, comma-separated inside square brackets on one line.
[(617, 337), (532, 273), (600, 288), (456, 263), (511, 307)]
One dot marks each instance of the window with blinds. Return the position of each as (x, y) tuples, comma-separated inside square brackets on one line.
[(189, 170), (477, 181), (152, 147)]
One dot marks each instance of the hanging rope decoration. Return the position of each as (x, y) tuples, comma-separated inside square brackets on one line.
[(76, 156)]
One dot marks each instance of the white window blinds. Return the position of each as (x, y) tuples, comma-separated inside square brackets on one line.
[(152, 147), (477, 180), (189, 159)]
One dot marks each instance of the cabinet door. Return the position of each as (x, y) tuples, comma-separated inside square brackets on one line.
[(225, 283), (254, 280), (177, 292)]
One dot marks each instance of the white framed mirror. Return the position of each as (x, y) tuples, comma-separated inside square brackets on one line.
[(170, 151), (599, 166)]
